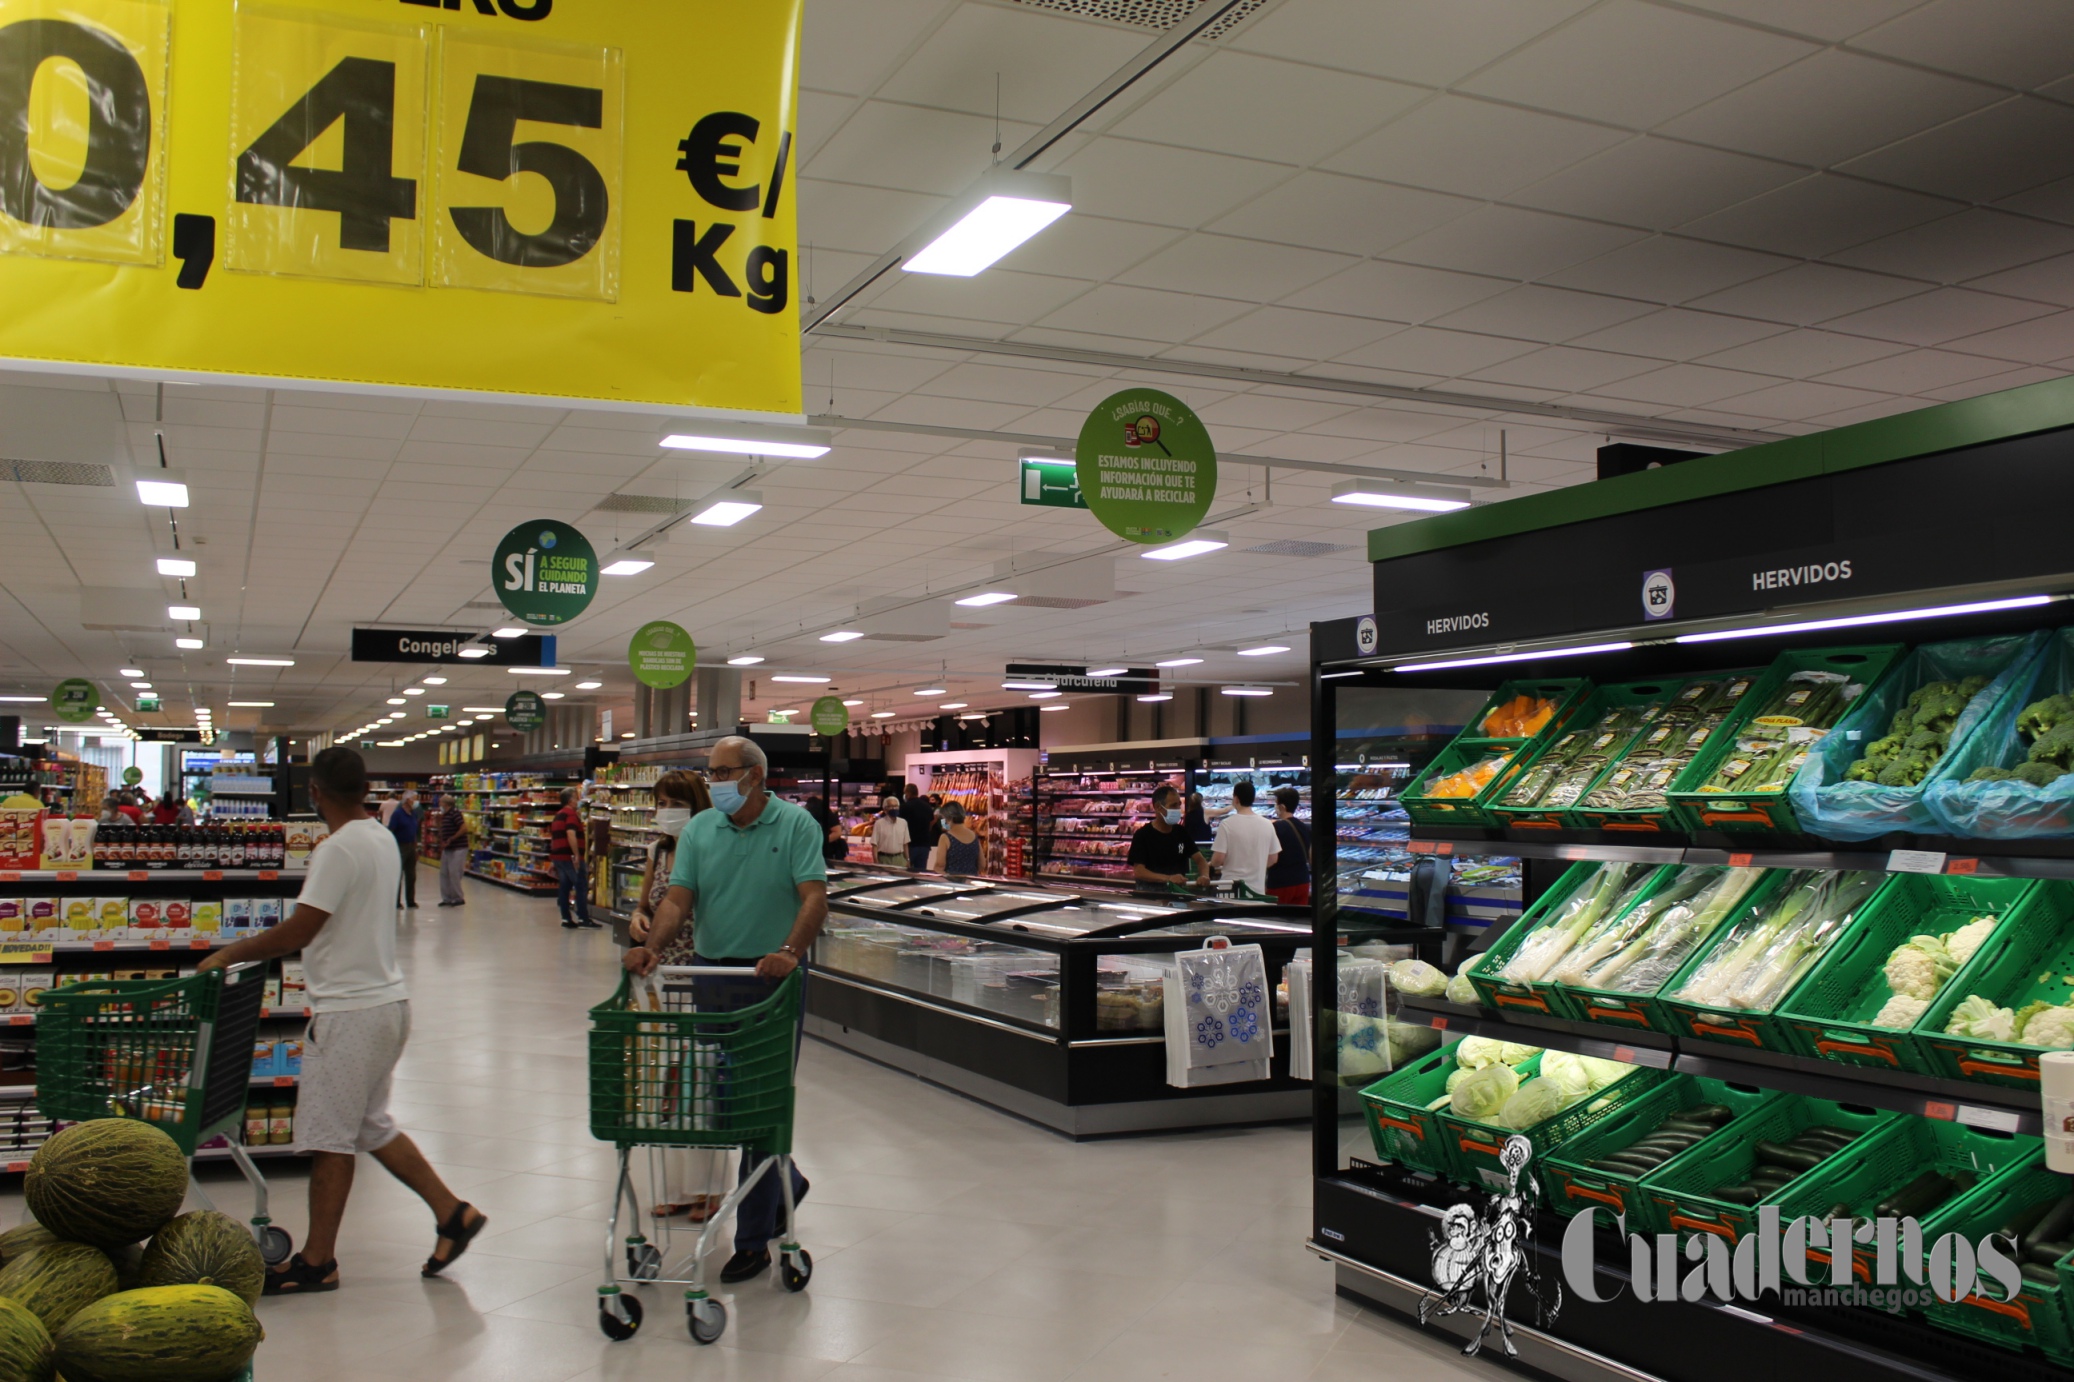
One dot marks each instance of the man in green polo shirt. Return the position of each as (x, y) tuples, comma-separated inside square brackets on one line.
[(751, 873)]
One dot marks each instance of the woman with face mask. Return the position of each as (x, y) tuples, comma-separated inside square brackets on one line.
[(679, 795)]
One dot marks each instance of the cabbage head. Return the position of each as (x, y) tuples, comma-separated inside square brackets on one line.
[(1456, 1076), (1512, 1053), (1484, 1093), (1474, 1053), (1460, 990), (1537, 1102), (1416, 976), (1605, 1072), (1568, 1072)]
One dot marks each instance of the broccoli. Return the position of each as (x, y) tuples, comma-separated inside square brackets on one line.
[(1928, 741), (1973, 686), (1864, 770), (1991, 775), (2055, 746), (2039, 774), (2040, 718)]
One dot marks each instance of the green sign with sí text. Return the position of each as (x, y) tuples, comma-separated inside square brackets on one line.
[(74, 700), (1146, 466), (545, 572)]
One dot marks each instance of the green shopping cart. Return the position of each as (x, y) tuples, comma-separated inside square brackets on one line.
[(174, 1053), (672, 1066)]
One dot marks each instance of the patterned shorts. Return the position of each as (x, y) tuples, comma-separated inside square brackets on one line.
[(348, 1061)]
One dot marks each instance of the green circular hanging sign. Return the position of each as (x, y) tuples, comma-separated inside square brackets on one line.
[(662, 655), (1146, 466), (545, 572), (74, 701), (525, 711), (829, 717), (132, 776)]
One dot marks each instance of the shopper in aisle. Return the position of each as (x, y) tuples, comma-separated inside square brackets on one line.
[(956, 851), (1197, 824), (679, 797), (168, 810), (751, 872), (1289, 878), (891, 843), (453, 851), (1161, 850), (919, 813), (111, 811), (344, 923), (401, 816), (565, 851), (835, 845), (1246, 845), (389, 805)]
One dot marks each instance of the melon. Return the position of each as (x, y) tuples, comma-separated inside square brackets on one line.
[(205, 1248), (106, 1183), (58, 1281), (160, 1334), (26, 1353), (20, 1242)]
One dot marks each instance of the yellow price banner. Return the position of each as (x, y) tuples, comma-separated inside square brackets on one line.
[(584, 199)]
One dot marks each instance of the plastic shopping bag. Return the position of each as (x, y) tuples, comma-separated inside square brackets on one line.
[(1219, 1017), (2009, 809)]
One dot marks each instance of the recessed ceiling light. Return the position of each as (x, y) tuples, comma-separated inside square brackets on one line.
[(175, 566), (186, 614), (141, 685), (882, 714), (1160, 696), (507, 632), (133, 671), (1386, 494), (954, 705), (484, 709), (810, 680), (745, 660), (853, 702), (413, 690), (255, 705), (1107, 671), (932, 691), (626, 566), (792, 443), (473, 652), (626, 734), (588, 685), (163, 489), (435, 681), (260, 661), (36, 700), (1054, 707), (1182, 662), (1193, 546), (1045, 695), (992, 597), (189, 643), (726, 510), (538, 671), (1264, 650), (396, 700), (1248, 691), (1000, 212), (842, 636)]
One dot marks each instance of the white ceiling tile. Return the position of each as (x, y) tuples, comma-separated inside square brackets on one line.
[(2049, 280), (1819, 216), (1090, 247), (1290, 113), (1473, 148), (998, 296), (1002, 384), (1225, 267), (850, 45), (1667, 268), (1798, 354), (1385, 423), (935, 152), (1995, 383), (1271, 414), (920, 321), (1657, 183), (2054, 201), (1808, 293), (1513, 243), (1976, 241), (1686, 386), (1536, 313), (1635, 65), (1834, 105), (1303, 335), (869, 220), (2041, 341), (1435, 42), (1397, 292), (1941, 315), (1830, 21), (1566, 368), (1046, 62), (1132, 181), (1992, 153), (2019, 43), (1429, 350), (1799, 399), (1917, 372), (1353, 215), (1679, 334), (821, 114), (1147, 312)]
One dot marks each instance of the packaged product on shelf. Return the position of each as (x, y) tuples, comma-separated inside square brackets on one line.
[(11, 1000), (237, 915), (273, 991), (280, 1125), (264, 1057), (178, 918), (208, 917), (32, 982), (294, 993), (82, 917), (266, 913), (43, 918), (147, 914), (255, 1125), (21, 833), (112, 919), (14, 915), (288, 1057)]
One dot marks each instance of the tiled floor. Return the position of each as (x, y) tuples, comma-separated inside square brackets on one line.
[(950, 1241)]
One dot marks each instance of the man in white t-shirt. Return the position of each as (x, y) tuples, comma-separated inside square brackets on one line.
[(344, 923), (1246, 843)]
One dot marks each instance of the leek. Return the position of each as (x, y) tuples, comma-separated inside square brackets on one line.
[(1609, 939), (1655, 953), (1579, 913)]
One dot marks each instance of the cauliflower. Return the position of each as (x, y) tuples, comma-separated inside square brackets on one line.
[(1474, 1053), (1901, 1011), (2042, 1024), (1416, 976), (1961, 943), (1977, 1017), (1484, 1092), (1919, 966)]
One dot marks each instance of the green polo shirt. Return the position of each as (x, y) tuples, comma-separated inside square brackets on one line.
[(747, 879)]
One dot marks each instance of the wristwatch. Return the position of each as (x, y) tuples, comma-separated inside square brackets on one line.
[(787, 949)]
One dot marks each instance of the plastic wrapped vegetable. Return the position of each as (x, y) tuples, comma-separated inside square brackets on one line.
[(1900, 1012), (1538, 1101), (2048, 1026), (1773, 743), (1464, 783), (1522, 717), (1416, 976), (1567, 1071), (1459, 989), (1596, 900), (1918, 967), (1474, 1053), (1977, 1017), (1484, 1092), (1775, 945), (1410, 1040), (1673, 933), (1610, 940)]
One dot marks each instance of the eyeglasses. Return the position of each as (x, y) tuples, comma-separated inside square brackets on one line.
[(719, 774)]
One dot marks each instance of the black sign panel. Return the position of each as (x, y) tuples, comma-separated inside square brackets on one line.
[(1134, 681), (445, 645), (170, 736)]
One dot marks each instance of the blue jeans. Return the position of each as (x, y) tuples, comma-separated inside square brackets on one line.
[(569, 881), (761, 1216)]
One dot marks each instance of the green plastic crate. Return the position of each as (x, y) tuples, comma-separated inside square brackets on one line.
[(1738, 1027), (1539, 996), (1647, 1011), (1403, 1129), (1590, 740), (1681, 1197), (1475, 1146), (1474, 744), (1573, 1184), (1829, 1015), (2030, 957), (2039, 1317), (1767, 812), (1669, 818)]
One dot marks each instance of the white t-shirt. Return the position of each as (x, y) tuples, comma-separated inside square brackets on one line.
[(352, 962), (1247, 842)]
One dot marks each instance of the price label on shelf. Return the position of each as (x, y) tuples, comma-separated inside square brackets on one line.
[(1740, 861), (17, 1167), (200, 943), (1943, 1113), (1915, 861), (212, 875), (68, 875), (284, 1082), (104, 945), (161, 945), (1996, 1119), (1962, 867), (21, 1019), (139, 875), (10, 876), (269, 875)]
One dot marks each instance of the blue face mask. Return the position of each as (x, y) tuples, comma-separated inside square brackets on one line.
[(727, 797), (1173, 815)]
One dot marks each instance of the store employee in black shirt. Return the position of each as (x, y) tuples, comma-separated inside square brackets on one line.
[(1160, 851)]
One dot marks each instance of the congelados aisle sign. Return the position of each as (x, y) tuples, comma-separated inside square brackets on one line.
[(570, 198)]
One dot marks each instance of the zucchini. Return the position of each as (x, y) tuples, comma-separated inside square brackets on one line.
[(1746, 1195), (1716, 1114), (2047, 1253), (2057, 1223), (1786, 1155), (1918, 1197), (2039, 1276), (2020, 1224)]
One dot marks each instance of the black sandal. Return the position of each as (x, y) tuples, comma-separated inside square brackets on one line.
[(300, 1278), (458, 1231)]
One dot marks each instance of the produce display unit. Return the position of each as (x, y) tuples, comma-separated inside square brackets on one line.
[(1884, 542), (507, 816), (60, 926), (1038, 998), (992, 785), (1089, 798)]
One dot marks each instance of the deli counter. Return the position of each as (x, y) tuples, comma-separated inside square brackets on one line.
[(1044, 1000)]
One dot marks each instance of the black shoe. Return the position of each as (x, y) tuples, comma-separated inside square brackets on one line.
[(745, 1265), (569, 925), (449, 904), (590, 925)]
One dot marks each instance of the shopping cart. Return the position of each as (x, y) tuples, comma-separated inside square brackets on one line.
[(174, 1053), (667, 1074)]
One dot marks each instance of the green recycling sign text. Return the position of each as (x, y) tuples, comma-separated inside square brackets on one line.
[(1146, 466), (545, 572), (662, 655)]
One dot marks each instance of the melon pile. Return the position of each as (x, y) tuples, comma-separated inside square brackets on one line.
[(83, 1296)]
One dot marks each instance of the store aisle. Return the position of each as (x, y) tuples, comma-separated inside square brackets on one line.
[(950, 1241)]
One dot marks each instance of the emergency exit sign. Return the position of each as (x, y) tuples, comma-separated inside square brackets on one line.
[(1052, 484), (437, 712)]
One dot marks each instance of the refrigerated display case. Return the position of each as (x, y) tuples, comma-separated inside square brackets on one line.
[(1088, 800)]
